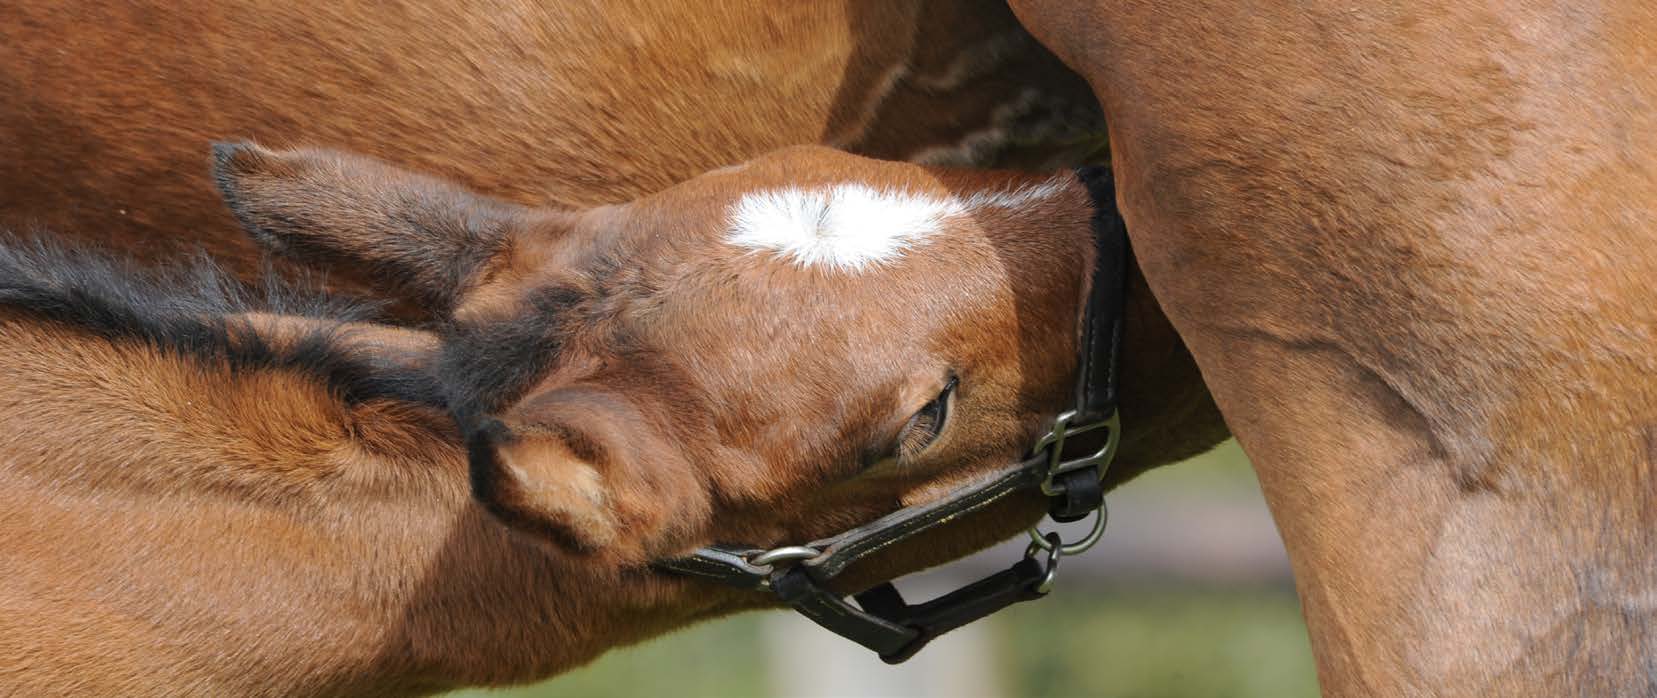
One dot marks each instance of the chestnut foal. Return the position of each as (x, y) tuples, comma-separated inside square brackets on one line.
[(1413, 247), (209, 492), (573, 103)]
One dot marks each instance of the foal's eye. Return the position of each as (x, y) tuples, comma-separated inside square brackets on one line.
[(928, 422)]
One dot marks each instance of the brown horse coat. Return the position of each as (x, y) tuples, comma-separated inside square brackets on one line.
[(210, 492), (1412, 248), (109, 109)]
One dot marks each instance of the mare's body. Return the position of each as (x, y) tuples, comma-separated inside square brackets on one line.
[(568, 104), (1413, 246)]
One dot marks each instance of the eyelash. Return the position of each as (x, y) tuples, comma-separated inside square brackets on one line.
[(927, 423)]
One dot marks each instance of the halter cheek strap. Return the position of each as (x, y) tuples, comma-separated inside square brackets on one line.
[(881, 620)]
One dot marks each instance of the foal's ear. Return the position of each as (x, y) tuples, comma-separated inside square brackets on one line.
[(583, 473), (537, 483), (364, 219)]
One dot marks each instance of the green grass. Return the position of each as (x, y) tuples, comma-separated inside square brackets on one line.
[(719, 658), (1140, 643), (1225, 469), (1129, 642)]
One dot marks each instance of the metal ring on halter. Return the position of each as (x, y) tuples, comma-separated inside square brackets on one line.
[(1040, 539), (1055, 551), (784, 554)]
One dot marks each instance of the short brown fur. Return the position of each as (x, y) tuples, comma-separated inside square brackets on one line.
[(1412, 247), (567, 104), (616, 385)]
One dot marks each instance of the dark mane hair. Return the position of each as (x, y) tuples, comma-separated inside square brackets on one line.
[(488, 362), (187, 309)]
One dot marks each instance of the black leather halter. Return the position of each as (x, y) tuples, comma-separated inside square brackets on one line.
[(881, 620)]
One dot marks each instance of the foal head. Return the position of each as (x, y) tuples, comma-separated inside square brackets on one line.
[(767, 353)]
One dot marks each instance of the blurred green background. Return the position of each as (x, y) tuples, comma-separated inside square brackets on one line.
[(1189, 596)]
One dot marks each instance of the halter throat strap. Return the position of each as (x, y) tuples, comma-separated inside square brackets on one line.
[(1101, 343)]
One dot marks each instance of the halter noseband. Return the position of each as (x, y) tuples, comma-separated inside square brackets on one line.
[(799, 575)]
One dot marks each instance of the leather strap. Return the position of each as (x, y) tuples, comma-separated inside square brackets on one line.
[(891, 626), (721, 564), (1101, 344), (730, 564), (886, 636), (955, 609), (1081, 491), (841, 551)]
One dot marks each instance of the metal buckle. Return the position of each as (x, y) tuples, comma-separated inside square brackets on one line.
[(1053, 441)]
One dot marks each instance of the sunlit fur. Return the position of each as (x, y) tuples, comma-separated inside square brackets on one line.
[(1413, 246)]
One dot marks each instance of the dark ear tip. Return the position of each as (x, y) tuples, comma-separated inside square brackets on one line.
[(234, 157), (233, 161)]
